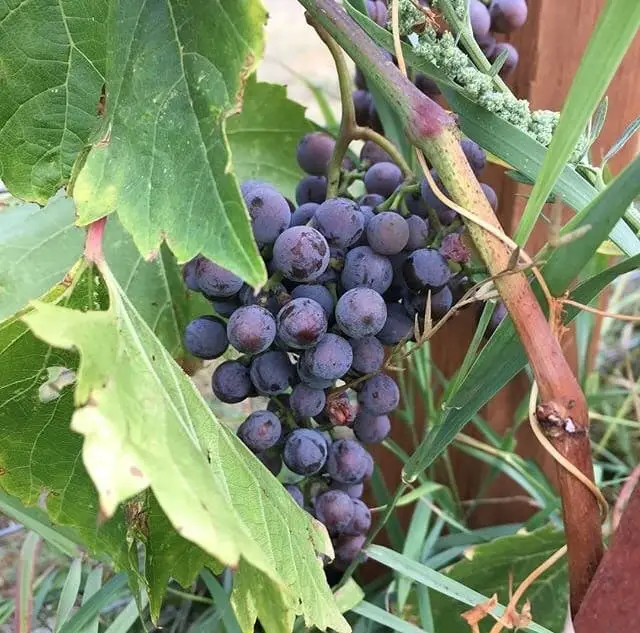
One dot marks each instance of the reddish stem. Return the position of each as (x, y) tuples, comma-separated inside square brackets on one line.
[(93, 243)]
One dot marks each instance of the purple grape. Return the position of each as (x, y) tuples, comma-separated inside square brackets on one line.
[(269, 212), (379, 395), (272, 373), (301, 323), (260, 431), (249, 185), (507, 15), (347, 462), (361, 312), (377, 11), (416, 204), (335, 509), (398, 327), (480, 18), (426, 85), (359, 80), (251, 329), (497, 317), (225, 307), (418, 233), (387, 233), (511, 60), (454, 249), (305, 452), (311, 189), (206, 338), (371, 429), (314, 153), (301, 253), (338, 411), (475, 155), (446, 214), (296, 493), (330, 359), (215, 281), (365, 267), (306, 402), (362, 102), (318, 293), (490, 195), (231, 382), (383, 179), (353, 490), (368, 355), (347, 549), (272, 461), (361, 522), (487, 44), (304, 213), (426, 269), (374, 118), (315, 382), (372, 153), (189, 275), (371, 200), (441, 303), (340, 221)]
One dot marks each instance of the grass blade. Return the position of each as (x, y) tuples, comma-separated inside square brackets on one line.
[(26, 573), (416, 534), (223, 605), (91, 587), (372, 612), (616, 27), (627, 133), (69, 594), (127, 617)]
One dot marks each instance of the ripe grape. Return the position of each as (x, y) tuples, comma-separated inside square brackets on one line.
[(372, 153), (335, 509), (418, 233), (347, 549), (487, 44), (382, 178), (371, 200), (497, 317), (398, 326), (416, 205), (305, 452), (311, 189), (377, 11), (353, 490), (371, 429), (272, 373), (189, 276), (231, 382), (368, 355), (215, 281), (314, 152), (301, 253), (364, 267), (340, 221), (490, 195), (446, 214), (260, 431), (303, 214), (379, 395), (361, 312), (269, 212), (361, 521), (309, 379), (426, 269), (306, 402), (441, 303), (296, 493), (251, 329), (480, 18), (362, 103), (225, 307), (347, 462), (301, 323), (511, 60), (330, 358), (359, 80), (318, 293), (475, 155), (206, 337), (387, 233), (507, 15)]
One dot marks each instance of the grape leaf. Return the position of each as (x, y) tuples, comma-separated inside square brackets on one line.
[(264, 136), (52, 72), (488, 572), (175, 71), (145, 425)]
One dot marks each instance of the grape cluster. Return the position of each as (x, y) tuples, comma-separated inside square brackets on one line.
[(350, 278)]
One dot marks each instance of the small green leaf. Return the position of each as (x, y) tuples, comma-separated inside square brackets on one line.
[(626, 135), (349, 595), (26, 576), (69, 594), (174, 73), (376, 614), (264, 135)]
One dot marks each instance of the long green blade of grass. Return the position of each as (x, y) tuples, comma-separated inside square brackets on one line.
[(223, 604), (91, 587), (127, 617), (69, 594), (617, 26), (26, 574), (375, 613)]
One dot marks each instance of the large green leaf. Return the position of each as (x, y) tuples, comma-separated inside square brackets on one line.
[(489, 569), (145, 425), (51, 74), (264, 135), (174, 73), (614, 32)]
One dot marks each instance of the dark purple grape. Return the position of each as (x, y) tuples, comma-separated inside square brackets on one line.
[(231, 382), (375, 122), (387, 233), (364, 267), (371, 429), (311, 189), (272, 299), (368, 355), (511, 60), (189, 275), (296, 493), (260, 431), (459, 285), (318, 293), (330, 358), (269, 212), (418, 233), (453, 248), (315, 382), (215, 281), (377, 11), (497, 317), (306, 402), (361, 522), (441, 303), (272, 373), (301, 323), (340, 221), (304, 213), (475, 155), (490, 195), (272, 461), (338, 411), (305, 452), (379, 395), (353, 490), (314, 152), (251, 329), (249, 185), (361, 312), (206, 337), (446, 214), (416, 204), (383, 179), (362, 102), (480, 18), (426, 85), (507, 15), (359, 80), (301, 253), (372, 153), (347, 461), (347, 549), (426, 269), (398, 327), (487, 44), (335, 509), (371, 200), (225, 307)]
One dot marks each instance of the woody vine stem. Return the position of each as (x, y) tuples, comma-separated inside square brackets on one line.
[(562, 412)]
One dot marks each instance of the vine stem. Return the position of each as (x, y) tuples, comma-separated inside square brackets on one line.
[(563, 412)]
